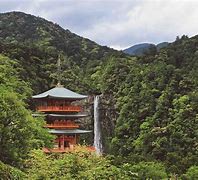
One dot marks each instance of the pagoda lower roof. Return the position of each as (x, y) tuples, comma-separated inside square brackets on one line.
[(68, 115), (72, 116), (68, 131), (60, 93)]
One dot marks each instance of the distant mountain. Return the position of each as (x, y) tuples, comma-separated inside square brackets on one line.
[(140, 49)]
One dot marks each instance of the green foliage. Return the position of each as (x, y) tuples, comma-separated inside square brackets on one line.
[(157, 106), (9, 78), (10, 173), (191, 174), (147, 170), (78, 164), (19, 131)]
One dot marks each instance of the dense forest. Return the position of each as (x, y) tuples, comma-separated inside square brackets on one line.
[(152, 131)]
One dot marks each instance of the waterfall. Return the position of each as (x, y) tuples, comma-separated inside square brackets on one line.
[(97, 126)]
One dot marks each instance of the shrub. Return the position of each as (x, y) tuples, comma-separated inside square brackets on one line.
[(10, 173)]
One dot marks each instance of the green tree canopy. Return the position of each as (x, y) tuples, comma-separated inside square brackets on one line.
[(19, 131)]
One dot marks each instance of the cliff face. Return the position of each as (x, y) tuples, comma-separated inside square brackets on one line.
[(109, 115)]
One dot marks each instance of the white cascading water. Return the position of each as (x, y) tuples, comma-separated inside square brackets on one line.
[(97, 126)]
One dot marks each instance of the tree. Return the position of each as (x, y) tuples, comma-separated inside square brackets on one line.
[(147, 170), (10, 173), (191, 174), (19, 131), (78, 164)]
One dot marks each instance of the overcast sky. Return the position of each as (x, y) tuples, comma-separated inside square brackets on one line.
[(116, 23)]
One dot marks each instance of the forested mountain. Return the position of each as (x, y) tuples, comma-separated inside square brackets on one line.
[(35, 43), (20, 28), (149, 104), (156, 96)]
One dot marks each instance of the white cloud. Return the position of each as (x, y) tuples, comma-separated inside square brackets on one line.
[(116, 23), (150, 21)]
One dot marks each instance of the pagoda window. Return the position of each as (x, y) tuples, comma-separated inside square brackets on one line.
[(66, 144)]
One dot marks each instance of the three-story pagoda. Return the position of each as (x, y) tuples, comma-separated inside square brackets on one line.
[(62, 114)]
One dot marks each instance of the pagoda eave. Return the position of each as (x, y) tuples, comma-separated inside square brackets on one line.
[(58, 97), (68, 115), (68, 131), (59, 116)]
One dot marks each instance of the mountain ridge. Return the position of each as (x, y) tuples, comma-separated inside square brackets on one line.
[(15, 28)]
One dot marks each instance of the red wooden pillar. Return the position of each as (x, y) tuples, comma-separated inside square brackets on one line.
[(63, 141)]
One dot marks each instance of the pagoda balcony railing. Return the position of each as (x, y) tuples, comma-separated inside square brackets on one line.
[(70, 126), (59, 108)]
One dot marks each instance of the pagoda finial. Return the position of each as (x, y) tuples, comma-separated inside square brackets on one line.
[(59, 71)]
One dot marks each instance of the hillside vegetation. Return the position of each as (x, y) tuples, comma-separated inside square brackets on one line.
[(157, 99), (35, 43), (154, 123)]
